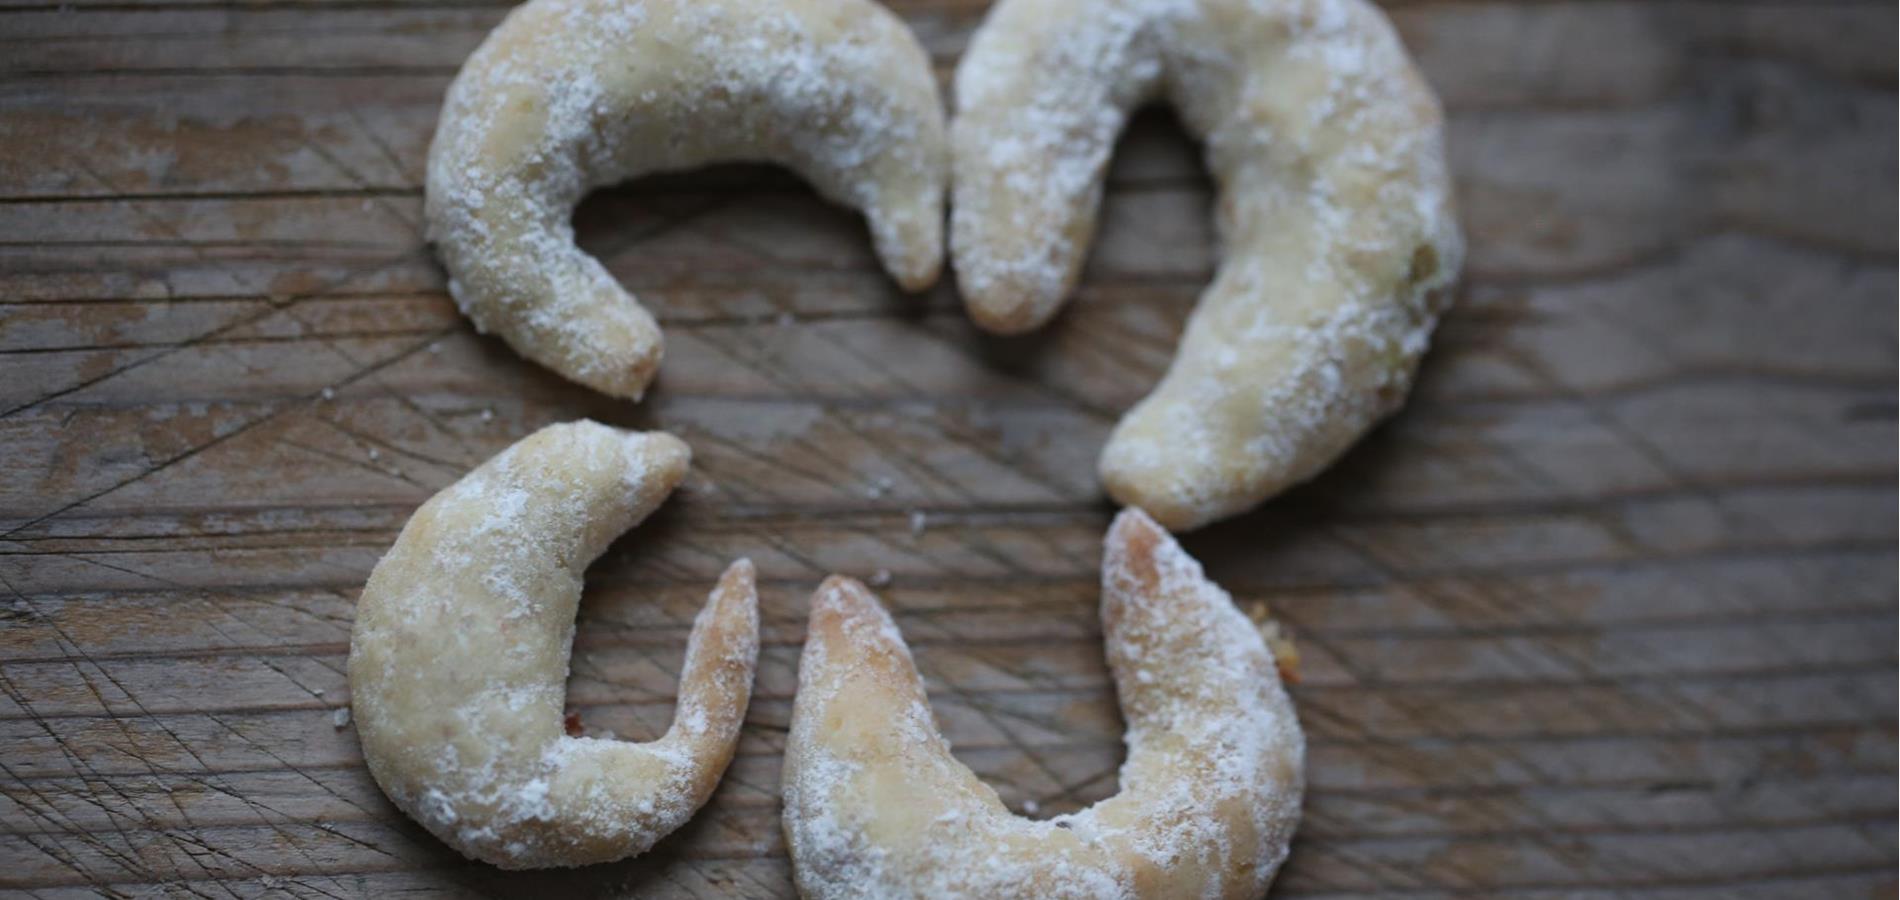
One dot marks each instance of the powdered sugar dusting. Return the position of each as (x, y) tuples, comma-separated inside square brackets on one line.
[(875, 805), (1335, 216), (460, 653), (569, 95)]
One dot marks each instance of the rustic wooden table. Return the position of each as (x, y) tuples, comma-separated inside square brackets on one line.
[(1609, 609)]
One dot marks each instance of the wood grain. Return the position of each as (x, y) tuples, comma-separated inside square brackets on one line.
[(1608, 610)]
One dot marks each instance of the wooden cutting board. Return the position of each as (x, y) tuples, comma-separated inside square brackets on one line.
[(1609, 609)]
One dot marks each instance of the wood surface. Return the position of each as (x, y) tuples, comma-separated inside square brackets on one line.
[(1607, 610)]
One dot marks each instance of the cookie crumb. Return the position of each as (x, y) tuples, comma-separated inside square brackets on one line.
[(1286, 656)]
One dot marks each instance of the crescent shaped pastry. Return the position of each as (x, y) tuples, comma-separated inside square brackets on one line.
[(875, 805), (569, 95), (1334, 214), (460, 653)]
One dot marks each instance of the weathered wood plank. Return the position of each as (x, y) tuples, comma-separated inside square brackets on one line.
[(824, 405), (762, 880), (1778, 150), (1497, 722), (1371, 864), (608, 672), (347, 794), (1608, 611), (1574, 52), (999, 547), (360, 133), (635, 611)]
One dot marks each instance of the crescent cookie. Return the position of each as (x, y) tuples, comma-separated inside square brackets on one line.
[(459, 659), (569, 95), (1334, 212), (875, 805)]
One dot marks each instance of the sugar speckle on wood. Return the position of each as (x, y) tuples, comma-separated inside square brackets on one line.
[(919, 520), (329, 393), (880, 578), (340, 717)]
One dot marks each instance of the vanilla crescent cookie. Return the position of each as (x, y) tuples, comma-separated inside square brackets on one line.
[(569, 95), (1334, 211), (460, 653), (875, 805)]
